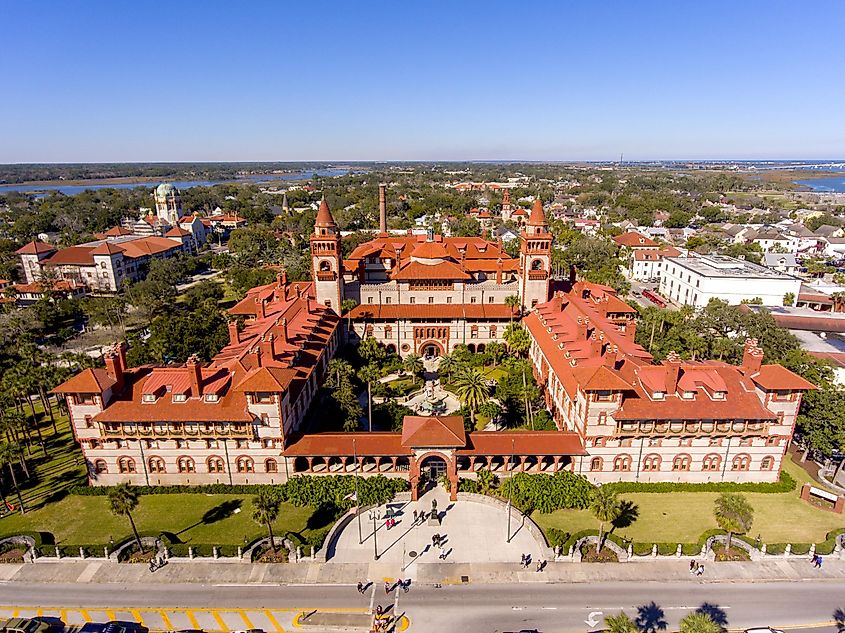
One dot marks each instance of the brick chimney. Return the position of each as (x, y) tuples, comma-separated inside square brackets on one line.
[(120, 348), (234, 335), (284, 330), (499, 271), (114, 368), (673, 372), (752, 356), (267, 349), (260, 312), (257, 351), (573, 274), (195, 374), (595, 345), (382, 208), (582, 328)]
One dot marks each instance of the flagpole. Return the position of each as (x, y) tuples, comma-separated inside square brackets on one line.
[(357, 499)]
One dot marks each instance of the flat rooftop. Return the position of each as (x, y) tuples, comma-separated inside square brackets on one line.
[(729, 267)]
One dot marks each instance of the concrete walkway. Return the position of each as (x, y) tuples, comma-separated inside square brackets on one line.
[(474, 532)]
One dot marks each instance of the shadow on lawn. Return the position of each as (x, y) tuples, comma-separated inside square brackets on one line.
[(215, 514)]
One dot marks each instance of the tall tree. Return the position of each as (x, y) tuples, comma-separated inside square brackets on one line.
[(123, 500), (266, 506), (413, 364), (517, 338), (513, 302), (699, 622), (621, 623), (369, 374), (605, 507), (472, 389), (733, 514)]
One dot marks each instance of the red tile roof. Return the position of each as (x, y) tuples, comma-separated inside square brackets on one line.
[(523, 443), (347, 445), (778, 377), (480, 311), (433, 432), (537, 217), (324, 217), (267, 379), (632, 239), (107, 248), (87, 381), (440, 270), (35, 248), (72, 256)]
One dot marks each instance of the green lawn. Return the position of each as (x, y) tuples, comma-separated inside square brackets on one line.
[(195, 518), (683, 516), (494, 373)]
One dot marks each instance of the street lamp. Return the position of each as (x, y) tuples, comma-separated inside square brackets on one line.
[(374, 516), (510, 491)]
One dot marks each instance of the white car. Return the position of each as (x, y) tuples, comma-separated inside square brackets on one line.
[(762, 629)]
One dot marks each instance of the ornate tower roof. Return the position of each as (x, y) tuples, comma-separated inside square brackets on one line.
[(324, 216), (538, 216)]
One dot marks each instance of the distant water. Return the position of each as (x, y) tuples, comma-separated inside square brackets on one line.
[(72, 190), (825, 185)]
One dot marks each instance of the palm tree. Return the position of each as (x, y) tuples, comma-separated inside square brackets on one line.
[(517, 338), (414, 365), (10, 453), (472, 389), (448, 364), (838, 301), (699, 622), (346, 307), (513, 302), (733, 514), (621, 623), (605, 507), (123, 499), (369, 374), (265, 510), (338, 370)]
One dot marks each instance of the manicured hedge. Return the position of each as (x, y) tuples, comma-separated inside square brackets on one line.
[(547, 493), (785, 484)]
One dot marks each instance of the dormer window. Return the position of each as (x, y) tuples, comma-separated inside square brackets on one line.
[(604, 396), (264, 397), (211, 397), (689, 395), (179, 397), (148, 397), (718, 395), (659, 395)]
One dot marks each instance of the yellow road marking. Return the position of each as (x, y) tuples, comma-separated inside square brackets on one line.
[(246, 620), (223, 626), (15, 612), (272, 618), (63, 614), (403, 623), (136, 614), (165, 619), (39, 613), (193, 620), (85, 615), (110, 614)]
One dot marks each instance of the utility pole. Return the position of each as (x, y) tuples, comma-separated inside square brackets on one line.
[(357, 498), (510, 492)]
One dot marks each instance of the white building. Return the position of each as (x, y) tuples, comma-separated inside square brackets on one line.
[(697, 279), (781, 262)]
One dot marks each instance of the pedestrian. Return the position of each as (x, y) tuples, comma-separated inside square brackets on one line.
[(541, 565), (435, 540), (692, 566), (819, 562), (442, 553), (700, 570), (406, 585), (415, 517), (379, 611), (386, 588), (152, 565), (360, 587), (522, 560), (527, 560)]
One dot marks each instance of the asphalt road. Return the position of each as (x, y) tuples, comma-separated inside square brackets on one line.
[(548, 608)]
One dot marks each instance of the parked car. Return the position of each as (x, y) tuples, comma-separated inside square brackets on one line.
[(24, 625), (763, 629)]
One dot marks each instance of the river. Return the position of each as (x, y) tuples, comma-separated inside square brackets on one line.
[(835, 184), (72, 190)]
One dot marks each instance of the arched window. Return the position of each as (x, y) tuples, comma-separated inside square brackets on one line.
[(157, 465), (391, 349), (596, 463), (186, 465), (537, 265), (100, 467), (767, 463), (622, 463), (126, 465), (271, 466), (681, 462), (651, 462), (492, 331), (388, 331), (711, 462), (245, 465), (741, 462), (215, 464), (325, 266)]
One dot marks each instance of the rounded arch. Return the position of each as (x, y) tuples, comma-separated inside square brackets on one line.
[(325, 266), (125, 465), (271, 465), (431, 348), (214, 464), (435, 460), (622, 463), (245, 464), (681, 462), (100, 467), (481, 347), (741, 461), (156, 465), (186, 464), (391, 348), (537, 264), (767, 463), (471, 347), (596, 464), (651, 462), (711, 462)]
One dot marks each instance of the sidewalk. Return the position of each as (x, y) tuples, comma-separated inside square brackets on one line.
[(426, 573)]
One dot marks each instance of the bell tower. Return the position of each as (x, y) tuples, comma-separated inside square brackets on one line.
[(535, 258), (326, 261)]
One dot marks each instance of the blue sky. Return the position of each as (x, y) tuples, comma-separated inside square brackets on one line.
[(159, 81)]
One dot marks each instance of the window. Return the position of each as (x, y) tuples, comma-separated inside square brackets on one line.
[(89, 423), (603, 417), (711, 462), (767, 463), (100, 467), (245, 465), (651, 463), (745, 441), (186, 465), (328, 303), (493, 331), (472, 299), (715, 441), (179, 397), (431, 299), (490, 299), (600, 442), (212, 397), (157, 465), (126, 466), (388, 299), (369, 299), (604, 396), (271, 466), (215, 465), (264, 397), (622, 463), (148, 397), (448, 299), (741, 462), (533, 303), (654, 441), (772, 441), (596, 463), (681, 463), (473, 332), (413, 300)]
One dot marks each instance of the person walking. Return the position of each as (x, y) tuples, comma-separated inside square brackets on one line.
[(699, 571), (442, 553), (386, 588), (360, 587), (522, 560), (692, 566)]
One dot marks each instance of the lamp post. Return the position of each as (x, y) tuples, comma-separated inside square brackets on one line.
[(374, 516), (357, 500), (510, 492)]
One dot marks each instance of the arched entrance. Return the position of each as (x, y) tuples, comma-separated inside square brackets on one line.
[(434, 467), (432, 349)]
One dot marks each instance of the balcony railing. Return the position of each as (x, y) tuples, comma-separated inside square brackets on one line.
[(178, 430), (537, 275), (328, 275), (694, 428)]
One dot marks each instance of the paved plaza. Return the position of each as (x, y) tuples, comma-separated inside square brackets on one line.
[(474, 533)]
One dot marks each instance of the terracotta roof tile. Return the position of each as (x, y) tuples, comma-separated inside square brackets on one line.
[(433, 432)]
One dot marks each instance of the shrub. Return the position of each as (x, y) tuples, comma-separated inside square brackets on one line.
[(468, 485), (775, 548), (826, 547), (557, 538), (547, 493), (785, 484)]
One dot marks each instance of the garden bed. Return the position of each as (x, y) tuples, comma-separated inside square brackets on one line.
[(590, 555), (13, 554), (733, 554), (267, 555)]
